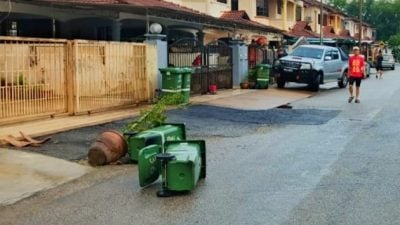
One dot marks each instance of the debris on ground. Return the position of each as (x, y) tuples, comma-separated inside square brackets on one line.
[(24, 141)]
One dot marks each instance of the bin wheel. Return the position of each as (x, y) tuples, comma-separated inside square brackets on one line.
[(164, 193)]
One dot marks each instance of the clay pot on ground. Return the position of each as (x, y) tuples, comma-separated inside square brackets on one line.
[(252, 84), (244, 85), (109, 146)]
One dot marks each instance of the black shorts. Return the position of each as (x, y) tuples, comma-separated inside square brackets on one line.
[(379, 67), (356, 79)]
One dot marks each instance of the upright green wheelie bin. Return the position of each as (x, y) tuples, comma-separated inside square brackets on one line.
[(171, 80), (263, 71), (155, 136), (186, 81)]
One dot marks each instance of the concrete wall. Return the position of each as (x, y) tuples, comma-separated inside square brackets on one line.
[(249, 7), (352, 27), (312, 13)]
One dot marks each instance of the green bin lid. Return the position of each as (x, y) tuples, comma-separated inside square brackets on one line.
[(263, 65), (187, 70), (149, 167), (173, 70)]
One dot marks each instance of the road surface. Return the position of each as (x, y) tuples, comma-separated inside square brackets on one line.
[(324, 161)]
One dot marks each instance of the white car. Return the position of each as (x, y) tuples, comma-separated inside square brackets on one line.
[(388, 61)]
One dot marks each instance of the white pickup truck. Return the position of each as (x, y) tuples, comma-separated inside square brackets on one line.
[(312, 65)]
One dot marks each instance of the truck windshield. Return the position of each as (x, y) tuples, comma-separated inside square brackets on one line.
[(314, 53)]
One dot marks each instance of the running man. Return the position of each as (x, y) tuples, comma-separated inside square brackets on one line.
[(356, 73)]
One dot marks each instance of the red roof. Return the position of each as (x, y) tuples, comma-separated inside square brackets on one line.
[(89, 1), (302, 29), (329, 32), (235, 15), (242, 18), (345, 34), (136, 3)]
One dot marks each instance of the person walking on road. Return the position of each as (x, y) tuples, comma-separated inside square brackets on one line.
[(379, 67), (356, 73)]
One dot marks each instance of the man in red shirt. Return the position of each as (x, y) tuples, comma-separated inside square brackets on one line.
[(356, 73)]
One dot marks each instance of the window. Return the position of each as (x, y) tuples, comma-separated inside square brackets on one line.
[(279, 7), (314, 53), (335, 55), (325, 20), (298, 13), (262, 8), (222, 1), (235, 5), (328, 54)]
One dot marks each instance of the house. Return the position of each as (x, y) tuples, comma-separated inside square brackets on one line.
[(353, 26), (312, 11)]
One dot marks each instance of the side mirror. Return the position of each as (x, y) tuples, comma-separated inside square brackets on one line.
[(328, 58)]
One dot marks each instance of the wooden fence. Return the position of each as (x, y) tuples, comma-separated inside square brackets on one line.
[(46, 77)]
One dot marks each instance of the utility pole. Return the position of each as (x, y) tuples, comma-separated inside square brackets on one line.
[(321, 21), (360, 17)]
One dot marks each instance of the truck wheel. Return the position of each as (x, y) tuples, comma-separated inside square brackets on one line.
[(342, 83), (314, 86), (280, 82)]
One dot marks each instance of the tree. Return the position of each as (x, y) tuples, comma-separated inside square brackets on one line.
[(384, 15), (394, 44), (340, 4)]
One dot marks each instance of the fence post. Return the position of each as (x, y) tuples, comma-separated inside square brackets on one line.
[(72, 104), (239, 61), (151, 70)]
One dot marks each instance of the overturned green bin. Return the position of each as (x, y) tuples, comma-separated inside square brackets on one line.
[(263, 71), (155, 136), (171, 80), (188, 166), (181, 173)]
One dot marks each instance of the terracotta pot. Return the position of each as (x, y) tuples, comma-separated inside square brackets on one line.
[(244, 85), (109, 146), (252, 84)]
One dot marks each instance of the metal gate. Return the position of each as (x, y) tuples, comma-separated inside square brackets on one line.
[(259, 55), (212, 64), (220, 64)]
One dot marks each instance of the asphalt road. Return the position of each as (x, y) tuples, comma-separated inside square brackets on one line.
[(323, 162)]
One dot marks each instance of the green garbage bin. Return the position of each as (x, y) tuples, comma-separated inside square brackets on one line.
[(263, 71), (188, 166), (171, 80), (182, 172), (158, 135), (186, 81), (252, 74)]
